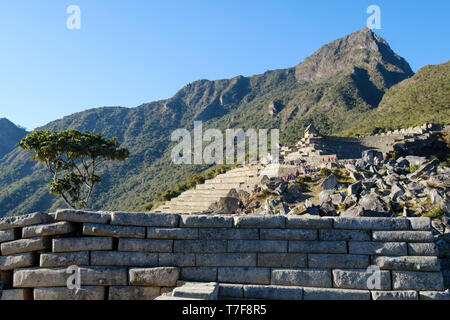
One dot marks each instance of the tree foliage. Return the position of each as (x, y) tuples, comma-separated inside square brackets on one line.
[(72, 158)]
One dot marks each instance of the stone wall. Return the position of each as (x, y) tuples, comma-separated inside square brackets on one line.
[(142, 255)]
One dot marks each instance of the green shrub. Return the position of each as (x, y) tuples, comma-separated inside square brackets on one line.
[(412, 168), (433, 213)]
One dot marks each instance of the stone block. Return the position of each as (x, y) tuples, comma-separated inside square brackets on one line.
[(48, 260), (335, 294), (200, 246), (36, 277), (145, 219), (413, 263), (106, 230), (402, 236), (342, 235), (103, 276), (395, 295), (82, 216), (116, 258), (257, 246), (228, 234), (82, 244), (302, 277), (318, 246), (17, 261), (419, 281), (309, 223), (288, 234), (377, 248), (279, 260), (8, 235), (133, 293), (145, 245), (226, 260), (154, 277), (231, 290), (244, 275), (360, 279), (273, 292), (176, 259), (206, 221), (50, 229), (422, 249), (371, 223), (204, 291), (259, 222), (200, 274), (420, 224), (25, 245), (318, 260), (58, 293), (23, 220), (434, 295), (16, 294), (173, 233)]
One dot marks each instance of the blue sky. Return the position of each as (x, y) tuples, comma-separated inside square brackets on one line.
[(131, 52)]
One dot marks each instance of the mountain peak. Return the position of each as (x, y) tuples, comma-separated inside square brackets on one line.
[(362, 49)]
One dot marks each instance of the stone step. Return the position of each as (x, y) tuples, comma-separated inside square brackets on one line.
[(188, 204), (230, 174), (197, 290), (218, 186), (228, 180)]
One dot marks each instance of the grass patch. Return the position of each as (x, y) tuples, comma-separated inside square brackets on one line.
[(412, 168), (433, 213)]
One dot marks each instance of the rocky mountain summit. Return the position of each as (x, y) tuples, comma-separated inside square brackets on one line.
[(10, 134)]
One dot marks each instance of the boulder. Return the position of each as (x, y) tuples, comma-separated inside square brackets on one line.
[(225, 205), (445, 206), (426, 168), (274, 185), (330, 183), (327, 209), (354, 188), (370, 155), (372, 205), (415, 161), (396, 191), (353, 211), (337, 199)]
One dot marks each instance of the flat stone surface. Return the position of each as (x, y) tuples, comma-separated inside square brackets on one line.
[(200, 246), (82, 216), (90, 229), (25, 245), (49, 229), (273, 292), (337, 235), (318, 260), (228, 234), (206, 221), (309, 222), (403, 236), (133, 293), (421, 281), (335, 294), (302, 277), (155, 277), (128, 259), (199, 274), (257, 246), (371, 223), (318, 246), (231, 290), (244, 275), (413, 263), (145, 245), (23, 220), (226, 260), (173, 233), (361, 279), (82, 244), (259, 222), (420, 223), (288, 234), (84, 293), (377, 248), (145, 219), (176, 259), (395, 295), (205, 291), (7, 235), (422, 249), (16, 294), (17, 261), (278, 260), (48, 260)]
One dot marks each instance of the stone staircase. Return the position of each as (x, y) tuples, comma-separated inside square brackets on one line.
[(204, 195)]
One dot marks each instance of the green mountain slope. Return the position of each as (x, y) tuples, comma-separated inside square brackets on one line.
[(10, 134), (423, 98), (334, 88)]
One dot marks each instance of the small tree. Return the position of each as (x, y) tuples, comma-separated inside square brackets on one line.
[(72, 157)]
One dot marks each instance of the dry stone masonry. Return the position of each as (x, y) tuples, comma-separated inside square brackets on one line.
[(165, 256)]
